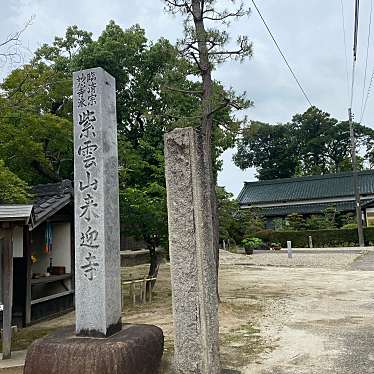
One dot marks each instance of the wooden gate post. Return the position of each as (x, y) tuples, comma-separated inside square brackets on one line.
[(7, 292)]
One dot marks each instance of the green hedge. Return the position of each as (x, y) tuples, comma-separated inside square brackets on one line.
[(321, 238)]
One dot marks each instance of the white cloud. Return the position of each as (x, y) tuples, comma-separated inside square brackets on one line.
[(310, 33)]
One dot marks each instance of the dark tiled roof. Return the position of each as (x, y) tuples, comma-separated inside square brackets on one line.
[(280, 211), (305, 188), (50, 198)]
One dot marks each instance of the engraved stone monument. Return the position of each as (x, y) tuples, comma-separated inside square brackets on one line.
[(97, 252), (99, 343), (193, 270)]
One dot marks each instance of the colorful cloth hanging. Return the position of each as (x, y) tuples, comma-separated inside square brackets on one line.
[(48, 238)]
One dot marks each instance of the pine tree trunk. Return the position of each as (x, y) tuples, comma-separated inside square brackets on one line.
[(207, 120)]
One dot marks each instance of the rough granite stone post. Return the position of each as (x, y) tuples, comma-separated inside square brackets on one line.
[(97, 244), (193, 270)]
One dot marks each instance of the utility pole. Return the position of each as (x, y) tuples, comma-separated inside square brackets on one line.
[(356, 187)]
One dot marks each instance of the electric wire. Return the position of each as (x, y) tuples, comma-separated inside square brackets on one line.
[(282, 54), (345, 49), (366, 60), (367, 96)]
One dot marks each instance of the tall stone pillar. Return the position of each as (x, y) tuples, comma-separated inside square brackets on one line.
[(193, 272), (97, 229)]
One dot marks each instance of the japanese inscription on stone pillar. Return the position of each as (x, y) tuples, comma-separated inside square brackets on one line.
[(97, 252)]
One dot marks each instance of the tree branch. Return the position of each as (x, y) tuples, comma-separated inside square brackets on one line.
[(13, 43), (189, 92), (179, 5)]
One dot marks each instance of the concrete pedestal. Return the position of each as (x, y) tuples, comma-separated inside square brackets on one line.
[(136, 349)]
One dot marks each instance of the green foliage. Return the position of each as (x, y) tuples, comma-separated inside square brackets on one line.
[(229, 214), (236, 223), (252, 220), (325, 221), (143, 214), (350, 226), (38, 149), (312, 143), (13, 190), (252, 243), (321, 238), (317, 222), (272, 149), (295, 222), (151, 84), (37, 88), (36, 142), (346, 219), (329, 219), (279, 224)]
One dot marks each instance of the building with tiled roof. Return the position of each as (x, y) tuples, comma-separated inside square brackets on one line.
[(42, 253), (309, 195)]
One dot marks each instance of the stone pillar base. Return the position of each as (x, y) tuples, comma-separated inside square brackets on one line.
[(136, 349)]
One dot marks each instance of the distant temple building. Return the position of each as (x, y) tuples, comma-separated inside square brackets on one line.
[(309, 195)]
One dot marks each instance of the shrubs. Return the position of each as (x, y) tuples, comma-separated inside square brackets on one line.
[(321, 238), (350, 226), (329, 219), (250, 244)]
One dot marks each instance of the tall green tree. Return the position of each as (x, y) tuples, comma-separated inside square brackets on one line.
[(324, 142), (37, 148), (151, 81), (313, 143), (12, 189), (205, 45), (273, 149), (230, 227)]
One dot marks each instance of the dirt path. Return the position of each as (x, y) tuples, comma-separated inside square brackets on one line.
[(311, 314), (316, 320)]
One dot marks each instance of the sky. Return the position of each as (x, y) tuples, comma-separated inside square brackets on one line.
[(310, 34)]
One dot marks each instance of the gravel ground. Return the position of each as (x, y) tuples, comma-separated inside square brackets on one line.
[(310, 314), (317, 310), (326, 260)]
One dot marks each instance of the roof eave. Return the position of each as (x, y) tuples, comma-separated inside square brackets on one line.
[(50, 212)]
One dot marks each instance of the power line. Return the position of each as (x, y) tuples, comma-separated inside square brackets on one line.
[(345, 49), (370, 86), (282, 54), (367, 58), (367, 96)]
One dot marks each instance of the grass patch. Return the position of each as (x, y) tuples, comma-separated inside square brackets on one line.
[(24, 337), (242, 346), (167, 357)]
